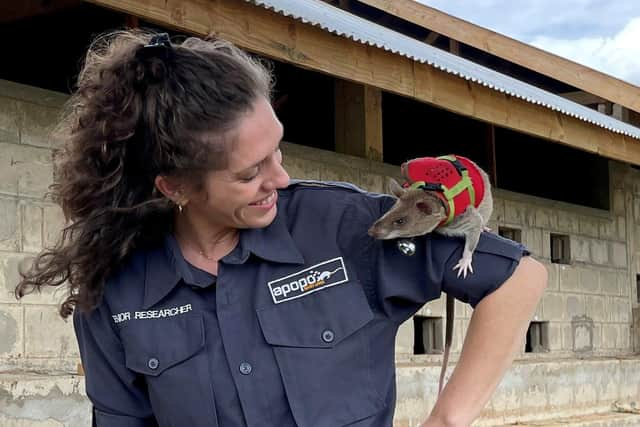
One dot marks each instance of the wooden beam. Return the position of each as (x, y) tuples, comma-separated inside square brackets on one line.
[(373, 123), (620, 113), (583, 98), (132, 21), (349, 118), (454, 47), (605, 108), (270, 34), (432, 37), (535, 59), (358, 120), (491, 154)]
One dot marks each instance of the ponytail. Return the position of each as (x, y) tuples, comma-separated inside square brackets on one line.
[(142, 108)]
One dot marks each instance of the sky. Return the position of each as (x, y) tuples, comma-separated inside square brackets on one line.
[(604, 35)]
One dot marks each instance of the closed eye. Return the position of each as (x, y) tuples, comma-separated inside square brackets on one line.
[(276, 155), (251, 178)]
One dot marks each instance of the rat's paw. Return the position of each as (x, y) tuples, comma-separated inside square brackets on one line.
[(464, 267)]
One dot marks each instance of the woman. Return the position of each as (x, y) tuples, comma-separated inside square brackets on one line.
[(206, 290)]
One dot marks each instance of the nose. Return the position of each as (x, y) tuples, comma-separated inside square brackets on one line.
[(279, 177)]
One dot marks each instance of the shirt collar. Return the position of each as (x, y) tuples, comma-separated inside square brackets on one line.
[(166, 266), (271, 243)]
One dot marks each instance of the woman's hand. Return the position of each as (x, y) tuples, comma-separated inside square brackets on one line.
[(494, 336)]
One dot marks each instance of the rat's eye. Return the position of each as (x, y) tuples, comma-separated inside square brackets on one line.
[(399, 221)]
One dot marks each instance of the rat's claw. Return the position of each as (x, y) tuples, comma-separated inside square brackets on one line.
[(464, 267)]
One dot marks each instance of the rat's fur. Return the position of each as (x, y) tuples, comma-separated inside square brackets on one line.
[(418, 212)]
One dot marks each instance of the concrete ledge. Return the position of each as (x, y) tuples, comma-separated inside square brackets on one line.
[(597, 420), (36, 400), (531, 391), (35, 95), (576, 393)]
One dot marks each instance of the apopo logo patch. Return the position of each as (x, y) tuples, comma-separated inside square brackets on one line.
[(326, 274)]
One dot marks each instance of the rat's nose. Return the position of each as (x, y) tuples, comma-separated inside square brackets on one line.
[(373, 232)]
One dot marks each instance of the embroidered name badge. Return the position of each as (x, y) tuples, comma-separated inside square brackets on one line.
[(320, 276), (151, 314)]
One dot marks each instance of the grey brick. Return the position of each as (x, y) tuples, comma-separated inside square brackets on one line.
[(25, 170), (11, 335), (9, 225), (31, 227), (36, 123), (9, 121)]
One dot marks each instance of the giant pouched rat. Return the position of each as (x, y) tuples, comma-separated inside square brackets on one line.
[(419, 210)]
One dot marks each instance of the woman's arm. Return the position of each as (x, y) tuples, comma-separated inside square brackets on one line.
[(495, 334)]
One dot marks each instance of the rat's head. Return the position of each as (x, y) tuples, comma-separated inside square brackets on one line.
[(416, 212)]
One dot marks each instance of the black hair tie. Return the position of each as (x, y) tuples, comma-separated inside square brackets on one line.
[(159, 47)]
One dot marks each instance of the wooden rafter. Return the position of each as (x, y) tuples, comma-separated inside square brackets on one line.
[(273, 35), (358, 120), (583, 98), (454, 47), (432, 37), (538, 60)]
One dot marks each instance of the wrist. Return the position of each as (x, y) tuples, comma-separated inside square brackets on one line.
[(442, 418)]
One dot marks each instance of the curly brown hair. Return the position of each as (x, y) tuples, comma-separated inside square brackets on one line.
[(139, 111)]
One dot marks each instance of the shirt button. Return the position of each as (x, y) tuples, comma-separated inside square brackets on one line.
[(328, 335), (153, 363), (245, 368)]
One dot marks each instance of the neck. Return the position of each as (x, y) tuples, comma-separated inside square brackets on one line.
[(208, 241)]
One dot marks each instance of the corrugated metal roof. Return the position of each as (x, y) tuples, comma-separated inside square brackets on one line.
[(342, 23)]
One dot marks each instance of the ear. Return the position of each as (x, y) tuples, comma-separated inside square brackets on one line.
[(425, 208), (170, 187), (404, 171), (394, 188), (430, 205)]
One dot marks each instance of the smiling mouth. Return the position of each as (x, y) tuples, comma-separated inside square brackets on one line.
[(266, 201)]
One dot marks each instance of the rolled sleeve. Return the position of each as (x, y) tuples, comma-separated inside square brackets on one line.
[(403, 283), (118, 395), (494, 261)]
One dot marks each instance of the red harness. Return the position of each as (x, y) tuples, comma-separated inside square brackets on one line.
[(454, 179)]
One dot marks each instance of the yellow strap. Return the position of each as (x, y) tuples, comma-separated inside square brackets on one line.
[(451, 193), (463, 184), (451, 158), (417, 184), (452, 210)]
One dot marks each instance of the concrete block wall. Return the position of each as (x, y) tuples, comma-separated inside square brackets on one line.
[(596, 293), (589, 301), (32, 335), (588, 305)]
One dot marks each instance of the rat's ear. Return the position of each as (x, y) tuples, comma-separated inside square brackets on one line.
[(394, 188), (430, 205), (425, 208)]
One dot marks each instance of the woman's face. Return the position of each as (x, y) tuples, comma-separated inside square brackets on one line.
[(244, 194)]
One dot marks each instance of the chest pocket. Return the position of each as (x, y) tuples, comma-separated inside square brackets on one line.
[(168, 352), (322, 347)]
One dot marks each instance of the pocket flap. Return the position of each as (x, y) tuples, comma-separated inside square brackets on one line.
[(153, 346), (319, 320)]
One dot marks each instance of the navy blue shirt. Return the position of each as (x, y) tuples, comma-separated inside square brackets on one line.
[(297, 329)]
